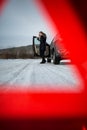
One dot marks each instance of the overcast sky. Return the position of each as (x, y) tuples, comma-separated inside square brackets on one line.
[(20, 20)]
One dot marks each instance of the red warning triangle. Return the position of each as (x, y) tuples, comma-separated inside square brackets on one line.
[(51, 104)]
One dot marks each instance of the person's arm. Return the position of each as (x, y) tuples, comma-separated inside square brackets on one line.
[(36, 37)]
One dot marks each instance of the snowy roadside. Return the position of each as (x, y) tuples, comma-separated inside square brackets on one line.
[(31, 73)]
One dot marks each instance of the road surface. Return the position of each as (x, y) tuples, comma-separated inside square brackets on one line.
[(29, 72)]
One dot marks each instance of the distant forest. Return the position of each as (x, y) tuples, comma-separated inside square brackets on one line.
[(17, 52)]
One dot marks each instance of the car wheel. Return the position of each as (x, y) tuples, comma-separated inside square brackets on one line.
[(56, 59)]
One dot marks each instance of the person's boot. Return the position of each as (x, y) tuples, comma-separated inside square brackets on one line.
[(43, 61)]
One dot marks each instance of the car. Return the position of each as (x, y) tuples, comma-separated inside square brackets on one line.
[(57, 50), (54, 51)]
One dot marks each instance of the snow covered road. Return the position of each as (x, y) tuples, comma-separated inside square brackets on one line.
[(31, 73)]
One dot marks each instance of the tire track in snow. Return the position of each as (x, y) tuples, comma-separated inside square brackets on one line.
[(15, 74)]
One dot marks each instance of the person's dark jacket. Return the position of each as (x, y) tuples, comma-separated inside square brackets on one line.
[(42, 43), (42, 40)]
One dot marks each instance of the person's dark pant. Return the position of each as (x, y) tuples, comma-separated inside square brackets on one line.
[(42, 55)]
